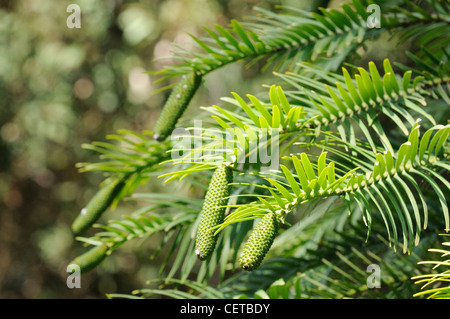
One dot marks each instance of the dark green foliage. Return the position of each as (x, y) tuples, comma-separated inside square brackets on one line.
[(97, 206), (260, 241), (175, 106), (213, 211), (91, 258)]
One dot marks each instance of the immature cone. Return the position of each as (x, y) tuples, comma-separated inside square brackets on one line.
[(97, 206), (260, 241), (175, 105), (91, 258), (212, 214)]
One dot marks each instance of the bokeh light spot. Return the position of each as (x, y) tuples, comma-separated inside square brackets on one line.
[(83, 88)]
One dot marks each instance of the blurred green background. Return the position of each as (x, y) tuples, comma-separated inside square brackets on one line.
[(61, 87)]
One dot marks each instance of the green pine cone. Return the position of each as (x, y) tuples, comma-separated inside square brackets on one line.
[(91, 259), (212, 215), (260, 241), (175, 105), (97, 206)]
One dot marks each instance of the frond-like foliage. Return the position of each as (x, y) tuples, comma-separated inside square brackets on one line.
[(416, 27), (340, 269), (292, 34), (127, 164), (384, 185), (345, 104), (435, 72), (131, 153), (298, 35), (435, 285), (323, 272), (178, 289)]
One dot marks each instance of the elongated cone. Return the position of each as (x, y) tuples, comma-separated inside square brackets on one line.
[(260, 241), (97, 206), (91, 259), (212, 214), (175, 105)]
